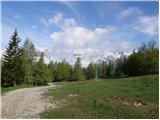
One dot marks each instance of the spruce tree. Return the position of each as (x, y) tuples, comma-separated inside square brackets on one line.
[(91, 71), (78, 73), (51, 67), (64, 71), (13, 72), (41, 72)]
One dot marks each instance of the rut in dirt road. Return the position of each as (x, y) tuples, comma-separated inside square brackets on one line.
[(25, 103)]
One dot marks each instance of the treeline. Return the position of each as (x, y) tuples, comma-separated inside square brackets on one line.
[(144, 61), (25, 65), (63, 71), (20, 65)]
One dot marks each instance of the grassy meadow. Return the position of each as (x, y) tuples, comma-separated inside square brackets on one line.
[(131, 97)]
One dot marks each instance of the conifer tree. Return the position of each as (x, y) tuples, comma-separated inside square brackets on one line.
[(13, 72), (41, 72), (64, 71), (78, 71), (91, 70)]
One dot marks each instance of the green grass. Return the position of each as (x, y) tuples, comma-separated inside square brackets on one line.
[(106, 98), (7, 89)]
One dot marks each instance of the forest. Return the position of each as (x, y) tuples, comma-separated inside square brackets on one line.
[(25, 65)]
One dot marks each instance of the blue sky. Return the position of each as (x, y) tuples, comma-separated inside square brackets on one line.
[(93, 29)]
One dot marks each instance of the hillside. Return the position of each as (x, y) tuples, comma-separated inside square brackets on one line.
[(132, 97)]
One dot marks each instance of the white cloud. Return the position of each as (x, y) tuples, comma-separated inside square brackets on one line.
[(54, 20), (89, 52), (124, 46), (91, 44), (78, 36), (92, 55), (71, 38), (147, 25), (70, 22), (40, 49), (87, 55), (129, 12), (143, 23)]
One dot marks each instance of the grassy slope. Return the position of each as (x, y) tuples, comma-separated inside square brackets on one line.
[(7, 89), (106, 98)]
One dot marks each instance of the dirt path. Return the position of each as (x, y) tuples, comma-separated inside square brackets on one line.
[(24, 103)]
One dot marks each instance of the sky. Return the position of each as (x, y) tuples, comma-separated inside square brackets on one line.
[(92, 29)]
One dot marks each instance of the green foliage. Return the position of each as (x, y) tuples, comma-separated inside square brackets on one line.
[(41, 72), (12, 70), (119, 66), (60, 71), (91, 71), (103, 69), (134, 64), (64, 71), (20, 66), (110, 69), (78, 73), (152, 61), (145, 61), (53, 70), (29, 56)]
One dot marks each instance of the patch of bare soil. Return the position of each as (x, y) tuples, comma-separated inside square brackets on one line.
[(126, 101), (25, 103), (122, 100)]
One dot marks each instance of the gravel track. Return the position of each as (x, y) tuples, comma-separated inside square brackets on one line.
[(25, 103)]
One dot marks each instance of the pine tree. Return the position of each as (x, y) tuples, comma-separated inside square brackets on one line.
[(110, 69), (102, 69), (78, 71), (13, 72), (41, 72), (52, 69), (64, 71), (119, 64), (91, 71)]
